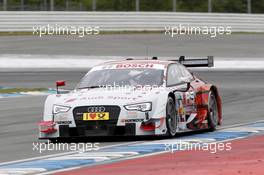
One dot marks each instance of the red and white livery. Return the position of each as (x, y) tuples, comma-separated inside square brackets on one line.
[(134, 98)]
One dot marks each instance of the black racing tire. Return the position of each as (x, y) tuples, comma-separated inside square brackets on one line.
[(212, 112), (171, 118), (53, 140), (58, 140)]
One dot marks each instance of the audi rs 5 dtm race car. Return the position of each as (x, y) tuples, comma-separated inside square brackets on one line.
[(134, 98)]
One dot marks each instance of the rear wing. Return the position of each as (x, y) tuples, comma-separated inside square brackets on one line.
[(202, 62)]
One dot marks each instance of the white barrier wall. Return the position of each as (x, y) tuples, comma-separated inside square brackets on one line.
[(129, 21)]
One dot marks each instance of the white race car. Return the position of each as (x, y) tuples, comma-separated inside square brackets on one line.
[(134, 98)]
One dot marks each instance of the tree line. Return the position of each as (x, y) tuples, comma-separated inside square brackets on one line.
[(221, 6)]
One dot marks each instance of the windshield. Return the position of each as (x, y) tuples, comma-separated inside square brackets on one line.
[(122, 77)]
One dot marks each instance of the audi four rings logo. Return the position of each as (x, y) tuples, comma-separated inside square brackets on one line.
[(96, 109)]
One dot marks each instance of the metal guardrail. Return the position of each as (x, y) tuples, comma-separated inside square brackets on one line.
[(128, 21)]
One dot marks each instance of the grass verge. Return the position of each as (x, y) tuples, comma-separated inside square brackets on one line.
[(17, 90)]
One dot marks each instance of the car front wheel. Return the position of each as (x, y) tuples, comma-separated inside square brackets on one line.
[(171, 117)]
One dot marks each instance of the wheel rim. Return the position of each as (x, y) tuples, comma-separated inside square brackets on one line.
[(171, 118), (213, 110)]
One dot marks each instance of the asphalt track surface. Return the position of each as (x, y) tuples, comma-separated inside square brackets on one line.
[(235, 45), (242, 93)]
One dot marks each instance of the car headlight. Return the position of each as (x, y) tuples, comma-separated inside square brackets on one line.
[(143, 107), (60, 109)]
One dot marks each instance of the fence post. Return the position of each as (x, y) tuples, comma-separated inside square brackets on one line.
[(94, 5), (137, 5), (209, 6), (249, 6), (22, 5), (51, 5), (67, 5), (174, 5), (44, 5), (81, 6), (5, 5)]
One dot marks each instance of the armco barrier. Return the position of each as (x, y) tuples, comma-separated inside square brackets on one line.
[(19, 21)]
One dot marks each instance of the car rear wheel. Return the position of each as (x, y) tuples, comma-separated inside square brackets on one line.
[(171, 117), (212, 112)]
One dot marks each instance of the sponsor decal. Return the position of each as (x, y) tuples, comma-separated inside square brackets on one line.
[(121, 98), (132, 114), (64, 122), (129, 66), (133, 120), (96, 116), (91, 98), (181, 111), (61, 117), (134, 65), (70, 100)]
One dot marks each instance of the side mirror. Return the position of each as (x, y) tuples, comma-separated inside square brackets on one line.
[(58, 84), (186, 81)]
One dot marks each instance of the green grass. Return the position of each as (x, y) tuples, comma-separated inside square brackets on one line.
[(16, 90), (15, 33)]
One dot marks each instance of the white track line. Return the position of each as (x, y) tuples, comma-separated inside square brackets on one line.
[(109, 146), (82, 61), (62, 154), (151, 154)]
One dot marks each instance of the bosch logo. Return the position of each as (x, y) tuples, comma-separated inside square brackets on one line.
[(96, 109)]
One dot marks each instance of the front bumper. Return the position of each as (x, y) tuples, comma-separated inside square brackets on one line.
[(106, 130), (64, 131), (131, 125)]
